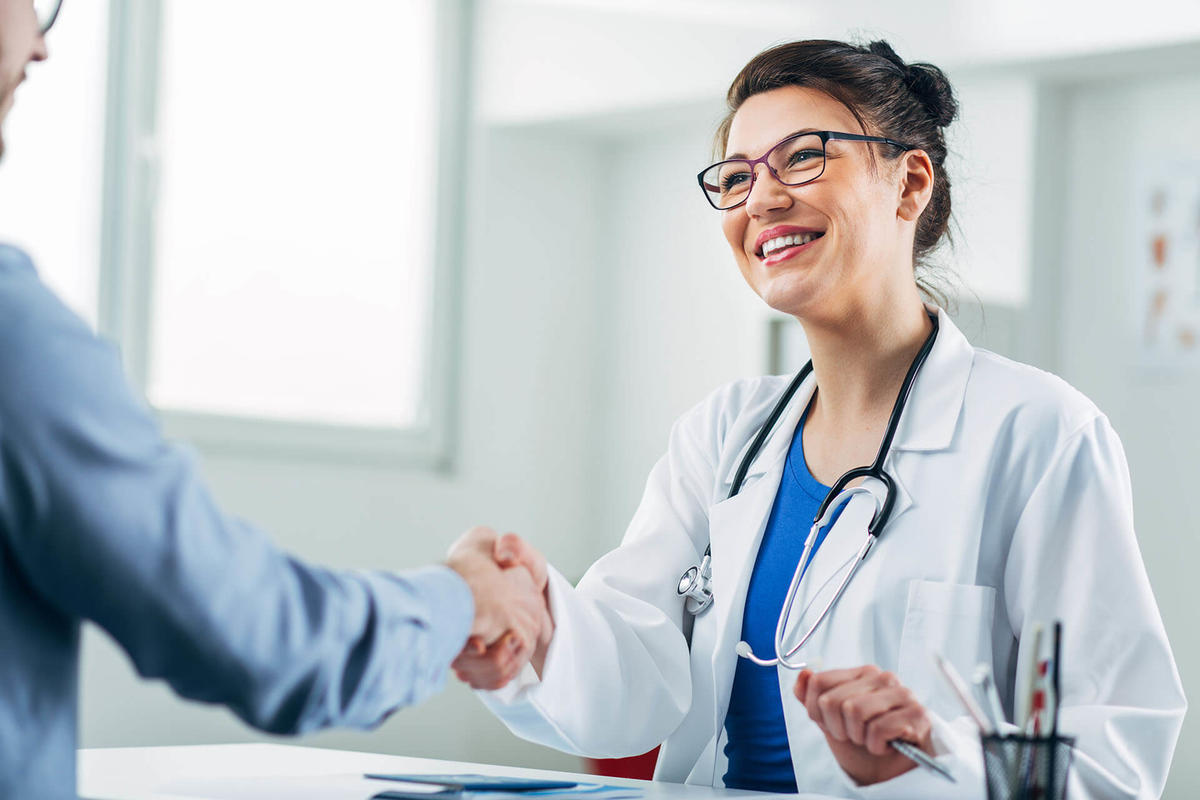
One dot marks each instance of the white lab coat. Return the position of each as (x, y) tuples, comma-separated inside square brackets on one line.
[(1013, 507)]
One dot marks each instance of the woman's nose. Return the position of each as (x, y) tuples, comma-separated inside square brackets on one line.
[(767, 194), (40, 53)]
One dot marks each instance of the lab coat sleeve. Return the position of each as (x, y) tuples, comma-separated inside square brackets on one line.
[(111, 523), (617, 679), (1075, 558)]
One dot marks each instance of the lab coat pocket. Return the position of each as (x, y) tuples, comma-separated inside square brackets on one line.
[(954, 620)]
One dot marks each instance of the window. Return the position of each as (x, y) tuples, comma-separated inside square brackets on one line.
[(279, 173)]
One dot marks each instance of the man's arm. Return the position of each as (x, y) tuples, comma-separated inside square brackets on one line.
[(111, 523)]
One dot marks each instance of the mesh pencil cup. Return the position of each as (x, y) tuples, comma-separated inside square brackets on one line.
[(1027, 767)]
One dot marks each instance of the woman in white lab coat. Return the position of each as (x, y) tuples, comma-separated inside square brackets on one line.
[(1012, 501)]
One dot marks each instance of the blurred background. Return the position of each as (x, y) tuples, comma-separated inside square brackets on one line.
[(397, 267)]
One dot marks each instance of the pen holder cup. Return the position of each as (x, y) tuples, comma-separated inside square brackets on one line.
[(1027, 767)]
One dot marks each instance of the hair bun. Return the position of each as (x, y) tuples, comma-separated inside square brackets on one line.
[(926, 81), (930, 85)]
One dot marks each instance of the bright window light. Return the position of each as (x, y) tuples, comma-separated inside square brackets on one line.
[(297, 182), (51, 173)]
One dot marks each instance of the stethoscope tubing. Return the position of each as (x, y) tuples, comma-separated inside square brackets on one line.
[(697, 589), (782, 658)]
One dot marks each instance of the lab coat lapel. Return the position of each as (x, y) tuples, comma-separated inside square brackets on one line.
[(931, 416)]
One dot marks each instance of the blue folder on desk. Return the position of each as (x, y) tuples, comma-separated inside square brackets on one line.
[(489, 787)]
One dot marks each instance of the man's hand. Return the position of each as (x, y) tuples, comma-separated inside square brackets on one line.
[(860, 711), (493, 666), (510, 611)]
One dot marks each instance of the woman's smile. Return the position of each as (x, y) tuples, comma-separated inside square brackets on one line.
[(782, 242)]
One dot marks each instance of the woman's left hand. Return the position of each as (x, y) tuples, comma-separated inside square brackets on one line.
[(860, 711)]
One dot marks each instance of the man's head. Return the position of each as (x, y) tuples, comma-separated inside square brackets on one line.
[(23, 26)]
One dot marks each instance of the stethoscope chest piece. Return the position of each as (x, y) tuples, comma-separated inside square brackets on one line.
[(696, 585)]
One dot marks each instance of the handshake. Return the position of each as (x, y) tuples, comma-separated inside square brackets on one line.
[(512, 625)]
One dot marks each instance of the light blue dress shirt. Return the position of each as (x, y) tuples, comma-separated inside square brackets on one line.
[(103, 520)]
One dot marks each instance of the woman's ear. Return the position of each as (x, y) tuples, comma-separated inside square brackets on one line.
[(915, 174)]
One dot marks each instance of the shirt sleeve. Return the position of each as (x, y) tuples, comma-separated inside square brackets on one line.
[(111, 523)]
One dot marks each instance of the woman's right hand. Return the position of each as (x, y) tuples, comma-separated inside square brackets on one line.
[(493, 667)]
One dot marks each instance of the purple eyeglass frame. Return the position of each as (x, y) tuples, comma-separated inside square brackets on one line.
[(824, 136), (48, 24)]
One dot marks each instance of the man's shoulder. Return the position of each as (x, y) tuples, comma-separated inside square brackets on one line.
[(45, 348), (15, 261), (25, 301), (19, 283)]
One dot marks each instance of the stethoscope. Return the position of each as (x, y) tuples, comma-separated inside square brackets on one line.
[(696, 583)]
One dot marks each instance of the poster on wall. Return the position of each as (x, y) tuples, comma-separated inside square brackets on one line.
[(1167, 265)]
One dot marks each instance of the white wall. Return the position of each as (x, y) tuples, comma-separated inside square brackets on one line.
[(526, 457), (678, 318), (547, 59), (1155, 413)]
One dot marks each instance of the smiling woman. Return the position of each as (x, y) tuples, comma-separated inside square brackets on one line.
[(912, 102), (997, 498)]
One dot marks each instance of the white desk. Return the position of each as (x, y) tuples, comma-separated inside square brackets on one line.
[(245, 771)]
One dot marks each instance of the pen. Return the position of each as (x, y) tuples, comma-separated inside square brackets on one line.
[(1035, 649), (911, 751), (964, 694), (1037, 706), (991, 698), (1056, 677)]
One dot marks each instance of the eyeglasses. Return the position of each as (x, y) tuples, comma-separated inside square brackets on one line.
[(47, 12), (797, 160)]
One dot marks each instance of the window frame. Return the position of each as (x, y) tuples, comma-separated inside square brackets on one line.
[(128, 226)]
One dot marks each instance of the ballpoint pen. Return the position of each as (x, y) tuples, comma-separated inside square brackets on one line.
[(923, 759)]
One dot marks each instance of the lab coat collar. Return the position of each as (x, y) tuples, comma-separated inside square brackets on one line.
[(774, 450), (929, 420), (931, 416)]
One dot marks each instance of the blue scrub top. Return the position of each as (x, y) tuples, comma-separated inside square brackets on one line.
[(757, 743)]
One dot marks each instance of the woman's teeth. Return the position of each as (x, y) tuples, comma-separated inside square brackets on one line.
[(780, 242)]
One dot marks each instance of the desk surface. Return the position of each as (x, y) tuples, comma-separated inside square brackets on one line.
[(245, 771)]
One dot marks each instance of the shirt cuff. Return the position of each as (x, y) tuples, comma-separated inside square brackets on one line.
[(450, 608)]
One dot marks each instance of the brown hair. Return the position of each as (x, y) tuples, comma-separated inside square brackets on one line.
[(911, 103)]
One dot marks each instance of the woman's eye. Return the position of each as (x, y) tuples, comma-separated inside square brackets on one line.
[(734, 179), (803, 156)]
